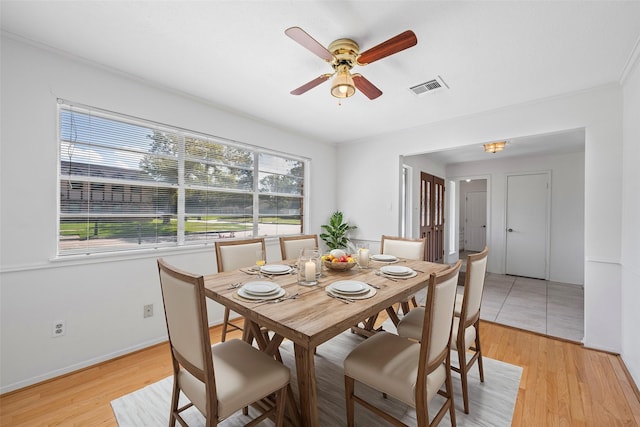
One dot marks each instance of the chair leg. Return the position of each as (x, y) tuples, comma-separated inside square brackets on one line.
[(479, 351), (349, 385), (175, 395), (225, 322), (281, 403), (462, 362), (452, 406)]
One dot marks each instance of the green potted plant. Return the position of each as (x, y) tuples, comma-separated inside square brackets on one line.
[(335, 233)]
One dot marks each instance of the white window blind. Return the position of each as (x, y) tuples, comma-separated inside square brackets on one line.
[(128, 184)]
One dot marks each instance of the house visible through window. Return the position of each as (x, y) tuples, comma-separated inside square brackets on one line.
[(132, 184)]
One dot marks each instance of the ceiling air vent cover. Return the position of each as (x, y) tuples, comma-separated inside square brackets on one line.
[(430, 86)]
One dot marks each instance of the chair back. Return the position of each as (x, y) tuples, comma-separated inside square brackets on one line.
[(234, 254), (187, 325), (403, 247), (438, 318), (291, 246), (474, 285)]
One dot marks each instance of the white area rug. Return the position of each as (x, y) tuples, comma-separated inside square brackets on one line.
[(491, 403)]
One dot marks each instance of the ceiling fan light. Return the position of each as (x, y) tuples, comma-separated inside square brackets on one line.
[(342, 85), (494, 147)]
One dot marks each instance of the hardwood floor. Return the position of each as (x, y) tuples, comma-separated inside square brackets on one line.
[(562, 384)]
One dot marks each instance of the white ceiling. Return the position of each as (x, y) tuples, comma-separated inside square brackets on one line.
[(235, 55)]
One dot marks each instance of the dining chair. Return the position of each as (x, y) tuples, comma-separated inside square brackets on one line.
[(290, 246), (410, 371), (402, 247), (218, 380), (465, 336), (231, 255)]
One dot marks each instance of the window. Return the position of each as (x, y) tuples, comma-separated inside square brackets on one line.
[(128, 184)]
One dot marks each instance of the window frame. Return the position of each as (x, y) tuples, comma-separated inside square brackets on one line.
[(130, 187)]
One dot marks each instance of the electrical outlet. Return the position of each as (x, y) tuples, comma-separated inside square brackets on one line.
[(148, 310), (59, 328)]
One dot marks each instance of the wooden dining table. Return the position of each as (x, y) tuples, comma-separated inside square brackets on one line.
[(313, 317)]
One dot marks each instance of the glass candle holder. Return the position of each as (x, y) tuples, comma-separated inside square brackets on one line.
[(363, 257), (314, 255), (307, 267)]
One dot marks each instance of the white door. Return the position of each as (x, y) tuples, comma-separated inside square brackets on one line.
[(527, 225), (475, 230)]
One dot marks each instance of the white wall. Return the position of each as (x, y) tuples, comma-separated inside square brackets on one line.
[(630, 228), (598, 111), (566, 246), (100, 297)]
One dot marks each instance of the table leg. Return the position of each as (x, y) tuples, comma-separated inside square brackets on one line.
[(307, 387)]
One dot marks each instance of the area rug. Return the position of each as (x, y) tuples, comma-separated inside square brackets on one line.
[(491, 403)]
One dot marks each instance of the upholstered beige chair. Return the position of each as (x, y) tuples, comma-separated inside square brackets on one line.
[(291, 246), (218, 380), (404, 248), (412, 372), (231, 255), (466, 324)]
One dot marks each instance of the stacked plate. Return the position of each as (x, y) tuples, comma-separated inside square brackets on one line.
[(352, 289), (275, 269), (384, 258), (260, 290), (398, 271)]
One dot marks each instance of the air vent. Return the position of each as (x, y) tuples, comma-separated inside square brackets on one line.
[(430, 86)]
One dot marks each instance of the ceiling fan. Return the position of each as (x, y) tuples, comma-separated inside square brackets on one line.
[(342, 55)]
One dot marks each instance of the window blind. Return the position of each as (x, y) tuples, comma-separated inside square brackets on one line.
[(129, 184)]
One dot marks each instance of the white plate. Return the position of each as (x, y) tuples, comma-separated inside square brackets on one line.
[(384, 258), (396, 277), (396, 270), (364, 295), (349, 287), (245, 294), (275, 269), (260, 288)]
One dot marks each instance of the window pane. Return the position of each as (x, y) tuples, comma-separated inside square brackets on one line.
[(214, 214), (280, 175), (280, 215)]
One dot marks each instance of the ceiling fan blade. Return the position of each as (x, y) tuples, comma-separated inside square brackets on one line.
[(366, 87), (300, 36), (310, 85), (393, 45)]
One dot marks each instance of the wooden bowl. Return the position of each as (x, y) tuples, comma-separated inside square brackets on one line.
[(340, 266)]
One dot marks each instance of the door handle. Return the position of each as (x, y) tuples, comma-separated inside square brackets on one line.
[(510, 230), (484, 226)]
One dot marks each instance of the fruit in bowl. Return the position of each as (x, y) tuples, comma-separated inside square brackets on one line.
[(338, 259)]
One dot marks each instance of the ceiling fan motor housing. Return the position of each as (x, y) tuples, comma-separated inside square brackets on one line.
[(345, 52)]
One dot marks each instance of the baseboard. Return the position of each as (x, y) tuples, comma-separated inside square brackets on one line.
[(67, 370), (632, 382)]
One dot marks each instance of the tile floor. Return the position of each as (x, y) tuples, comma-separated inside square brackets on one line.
[(551, 308)]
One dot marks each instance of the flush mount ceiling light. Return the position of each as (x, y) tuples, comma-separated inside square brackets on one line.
[(494, 147)]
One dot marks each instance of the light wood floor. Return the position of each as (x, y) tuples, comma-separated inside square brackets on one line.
[(562, 384)]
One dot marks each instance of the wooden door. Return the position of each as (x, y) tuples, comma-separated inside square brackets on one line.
[(527, 225), (432, 216)]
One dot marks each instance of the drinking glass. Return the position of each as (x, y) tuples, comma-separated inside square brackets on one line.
[(261, 260)]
